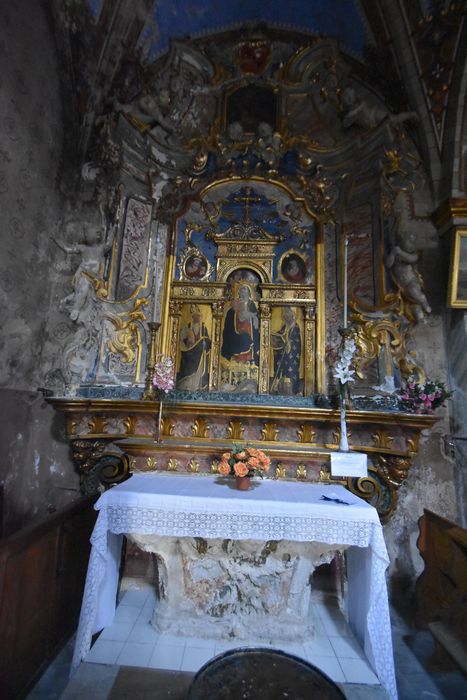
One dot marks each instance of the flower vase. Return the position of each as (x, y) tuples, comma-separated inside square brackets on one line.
[(343, 442), (242, 483), (158, 431)]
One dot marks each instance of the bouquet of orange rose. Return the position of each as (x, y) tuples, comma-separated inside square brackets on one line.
[(244, 461)]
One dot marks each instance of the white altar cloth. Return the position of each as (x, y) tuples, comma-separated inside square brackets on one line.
[(200, 506)]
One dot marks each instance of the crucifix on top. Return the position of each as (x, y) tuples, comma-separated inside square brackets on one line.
[(246, 199), (247, 228)]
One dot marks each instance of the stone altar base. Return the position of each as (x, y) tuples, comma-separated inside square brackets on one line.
[(230, 589)]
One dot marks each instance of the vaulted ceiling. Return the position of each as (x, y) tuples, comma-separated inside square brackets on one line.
[(414, 49)]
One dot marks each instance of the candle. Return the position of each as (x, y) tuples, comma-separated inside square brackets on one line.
[(155, 305), (346, 243)]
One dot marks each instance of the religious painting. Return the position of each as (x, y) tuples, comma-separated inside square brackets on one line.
[(458, 272), (240, 334), (293, 267), (194, 348), (195, 267), (286, 360)]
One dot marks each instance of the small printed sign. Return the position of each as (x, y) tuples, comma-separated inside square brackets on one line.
[(349, 464)]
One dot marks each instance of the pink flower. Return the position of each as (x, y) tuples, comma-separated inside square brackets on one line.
[(240, 469), (224, 468), (423, 396), (431, 397), (163, 378)]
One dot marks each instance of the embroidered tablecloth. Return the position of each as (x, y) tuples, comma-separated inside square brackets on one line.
[(204, 506)]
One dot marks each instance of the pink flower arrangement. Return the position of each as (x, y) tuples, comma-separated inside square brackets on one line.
[(423, 398), (163, 378), (246, 461)]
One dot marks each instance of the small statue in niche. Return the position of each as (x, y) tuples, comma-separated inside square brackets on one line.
[(87, 276), (402, 260)]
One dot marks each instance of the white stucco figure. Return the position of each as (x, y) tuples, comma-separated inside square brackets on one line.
[(402, 260), (359, 112), (92, 250)]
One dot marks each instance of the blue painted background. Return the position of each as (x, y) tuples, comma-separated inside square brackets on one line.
[(339, 19)]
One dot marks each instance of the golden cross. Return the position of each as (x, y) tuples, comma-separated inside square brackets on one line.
[(247, 200)]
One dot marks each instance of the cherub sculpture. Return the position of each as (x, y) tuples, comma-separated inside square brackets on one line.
[(92, 250), (401, 261)]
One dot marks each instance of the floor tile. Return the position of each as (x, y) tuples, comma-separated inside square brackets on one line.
[(118, 631), (201, 643), (144, 634), (135, 654), (105, 651), (335, 626), (347, 648), (226, 645), (172, 640), (319, 646), (358, 671), (167, 656), (292, 648), (331, 668), (127, 613), (136, 597), (194, 658)]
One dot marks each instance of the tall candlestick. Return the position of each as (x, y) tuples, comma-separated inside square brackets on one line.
[(151, 360), (155, 305), (346, 243)]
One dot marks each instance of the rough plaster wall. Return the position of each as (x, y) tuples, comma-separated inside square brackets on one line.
[(458, 373), (431, 480), (34, 460), (30, 152), (35, 467)]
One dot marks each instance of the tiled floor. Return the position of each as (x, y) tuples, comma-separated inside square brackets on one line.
[(132, 641), (333, 650)]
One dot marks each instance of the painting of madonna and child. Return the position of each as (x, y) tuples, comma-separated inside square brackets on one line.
[(240, 346)]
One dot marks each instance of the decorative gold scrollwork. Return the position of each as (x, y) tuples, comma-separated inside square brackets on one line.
[(98, 425), (382, 439), (151, 462), (306, 433), (98, 468), (172, 465), (129, 424), (167, 427), (71, 425), (383, 339), (270, 432), (193, 466), (280, 472), (324, 474), (235, 430), (200, 428), (301, 472), (126, 340)]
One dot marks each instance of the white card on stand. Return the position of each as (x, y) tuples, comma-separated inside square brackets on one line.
[(349, 464)]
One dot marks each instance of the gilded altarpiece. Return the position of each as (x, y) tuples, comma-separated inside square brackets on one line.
[(241, 304)]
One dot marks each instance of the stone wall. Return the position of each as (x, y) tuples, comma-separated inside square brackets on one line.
[(35, 467)]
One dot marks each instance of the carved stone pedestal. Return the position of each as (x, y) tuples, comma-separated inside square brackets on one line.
[(235, 589)]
